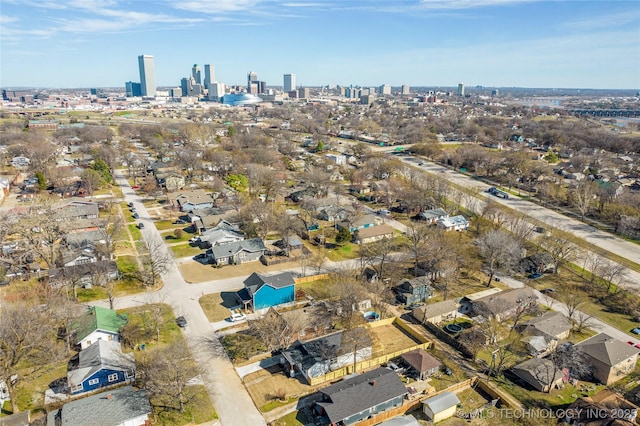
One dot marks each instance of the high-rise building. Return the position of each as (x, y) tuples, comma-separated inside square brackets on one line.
[(209, 75), (289, 82), (405, 89), (147, 75), (132, 89), (460, 89), (303, 92), (252, 77), (196, 74), (216, 91), (385, 89)]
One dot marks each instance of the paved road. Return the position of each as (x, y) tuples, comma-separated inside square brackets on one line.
[(554, 219), (232, 402)]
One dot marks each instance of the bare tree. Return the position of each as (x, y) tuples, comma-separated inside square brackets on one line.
[(166, 374), (276, 331), (155, 263), (559, 246), (574, 300), (499, 250), (27, 337), (417, 237), (583, 196)]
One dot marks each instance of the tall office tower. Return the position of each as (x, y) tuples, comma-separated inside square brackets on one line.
[(252, 88), (262, 86), (216, 91), (405, 89), (252, 77), (196, 74), (385, 89), (132, 89), (209, 75), (147, 75), (461, 89), (289, 82)]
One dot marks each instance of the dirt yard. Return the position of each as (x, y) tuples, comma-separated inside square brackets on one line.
[(194, 272), (389, 338), (263, 385)]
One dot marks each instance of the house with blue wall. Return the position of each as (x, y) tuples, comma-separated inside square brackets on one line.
[(262, 292), (101, 364)]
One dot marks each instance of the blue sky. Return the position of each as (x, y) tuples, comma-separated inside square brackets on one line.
[(502, 43)]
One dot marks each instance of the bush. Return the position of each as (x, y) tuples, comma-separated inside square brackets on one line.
[(343, 236), (177, 233)]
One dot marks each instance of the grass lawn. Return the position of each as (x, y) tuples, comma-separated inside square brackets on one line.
[(184, 250), (264, 385), (163, 225), (170, 238), (169, 330), (441, 381), (216, 306), (296, 418), (135, 232), (127, 264), (557, 398), (319, 289), (32, 385), (344, 252), (198, 411), (89, 294)]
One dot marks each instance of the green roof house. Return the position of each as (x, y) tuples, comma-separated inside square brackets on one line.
[(97, 324)]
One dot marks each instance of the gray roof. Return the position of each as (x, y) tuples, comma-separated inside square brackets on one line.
[(420, 360), (550, 323), (103, 354), (436, 309), (538, 372), (504, 301), (442, 401), (607, 349), (84, 238), (77, 209), (225, 250), (433, 213), (281, 280), (124, 404), (354, 395), (407, 420), (416, 282), (22, 418)]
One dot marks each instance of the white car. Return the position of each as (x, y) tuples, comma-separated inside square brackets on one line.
[(237, 317)]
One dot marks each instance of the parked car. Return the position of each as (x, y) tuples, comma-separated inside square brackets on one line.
[(140, 225), (130, 204), (635, 330), (181, 321), (136, 216), (548, 290), (194, 239), (535, 275), (237, 317)]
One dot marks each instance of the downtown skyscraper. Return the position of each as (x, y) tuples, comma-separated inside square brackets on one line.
[(147, 75), (289, 82)]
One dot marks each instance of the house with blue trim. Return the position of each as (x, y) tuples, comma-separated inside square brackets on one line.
[(262, 292), (101, 364)]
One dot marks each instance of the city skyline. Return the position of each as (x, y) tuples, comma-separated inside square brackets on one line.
[(89, 43)]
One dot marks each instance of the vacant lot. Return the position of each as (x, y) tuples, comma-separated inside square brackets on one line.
[(389, 338), (264, 385), (195, 272)]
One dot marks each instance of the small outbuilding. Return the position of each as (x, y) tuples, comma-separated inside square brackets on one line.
[(441, 406)]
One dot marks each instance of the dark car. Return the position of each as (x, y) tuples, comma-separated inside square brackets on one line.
[(535, 275), (140, 225), (130, 204), (181, 321), (548, 290), (136, 216)]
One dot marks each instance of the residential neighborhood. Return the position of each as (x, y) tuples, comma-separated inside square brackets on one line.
[(324, 272)]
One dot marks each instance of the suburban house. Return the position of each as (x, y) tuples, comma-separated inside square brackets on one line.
[(261, 291), (124, 406), (422, 362), (542, 333), (77, 210), (454, 223), (97, 324), (223, 233), (441, 406), (436, 313), (604, 408), (298, 324), (414, 290), (373, 234), (334, 213), (361, 397), (610, 358), (85, 274), (191, 200), (505, 304), (362, 222), (466, 302), (80, 239), (315, 358), (432, 216), (539, 373), (235, 253), (171, 181), (101, 364), (79, 257)]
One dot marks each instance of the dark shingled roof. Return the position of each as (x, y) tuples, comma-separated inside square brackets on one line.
[(255, 281), (359, 393), (124, 404), (421, 360), (230, 249), (606, 349)]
